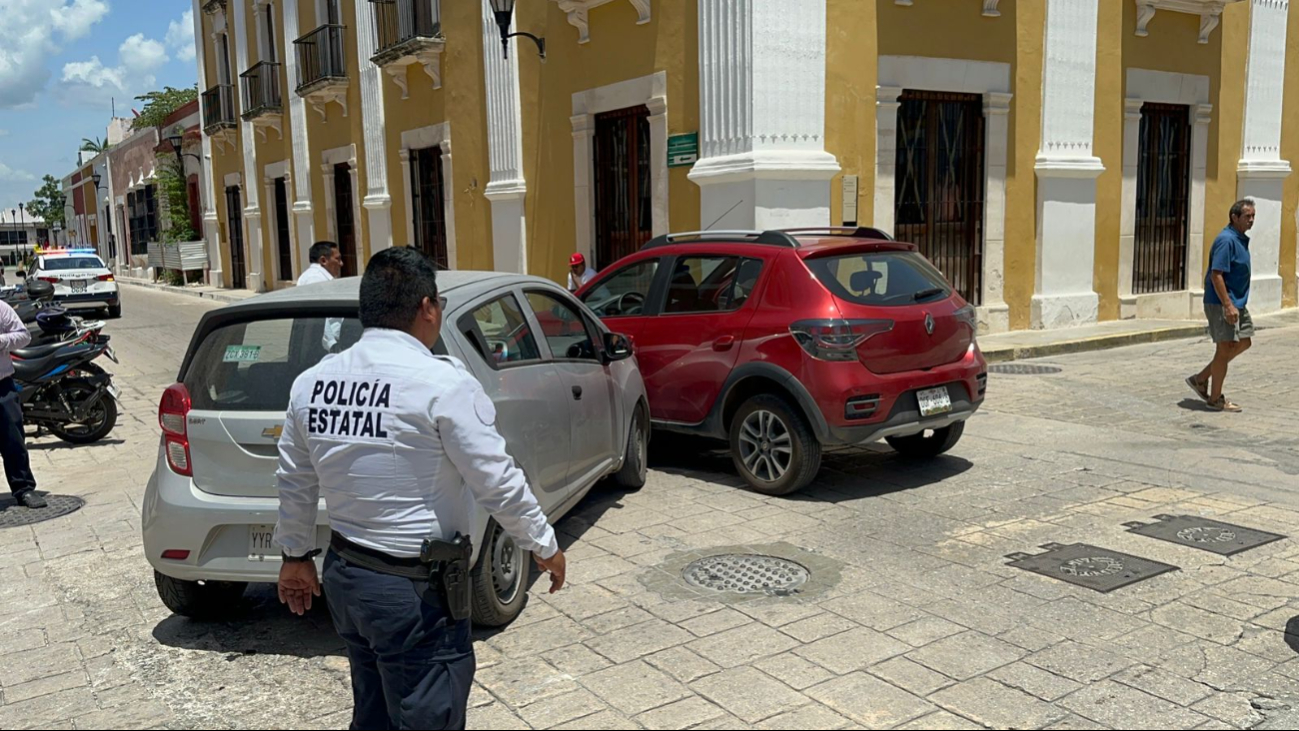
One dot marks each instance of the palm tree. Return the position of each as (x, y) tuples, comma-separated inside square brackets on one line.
[(94, 144)]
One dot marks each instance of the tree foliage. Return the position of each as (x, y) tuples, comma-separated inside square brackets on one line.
[(94, 144), (174, 193), (49, 201), (158, 105)]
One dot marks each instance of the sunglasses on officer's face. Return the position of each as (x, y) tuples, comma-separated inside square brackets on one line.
[(442, 302)]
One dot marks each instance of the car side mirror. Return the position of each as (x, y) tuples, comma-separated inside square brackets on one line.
[(617, 347)]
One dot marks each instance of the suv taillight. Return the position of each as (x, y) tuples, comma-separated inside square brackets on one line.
[(836, 339), (173, 413)]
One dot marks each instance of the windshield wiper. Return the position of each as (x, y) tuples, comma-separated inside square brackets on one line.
[(925, 294)]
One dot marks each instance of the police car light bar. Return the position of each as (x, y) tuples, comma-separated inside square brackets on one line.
[(39, 250)]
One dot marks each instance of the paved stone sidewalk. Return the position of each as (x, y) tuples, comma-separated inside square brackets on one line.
[(913, 620)]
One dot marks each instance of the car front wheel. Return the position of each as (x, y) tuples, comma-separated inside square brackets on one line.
[(205, 600), (773, 447)]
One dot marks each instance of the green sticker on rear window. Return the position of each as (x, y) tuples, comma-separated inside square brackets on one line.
[(242, 354)]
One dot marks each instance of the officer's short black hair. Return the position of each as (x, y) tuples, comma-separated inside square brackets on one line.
[(395, 284), (321, 250)]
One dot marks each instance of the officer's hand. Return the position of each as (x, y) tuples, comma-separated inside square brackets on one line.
[(298, 583), (557, 567)]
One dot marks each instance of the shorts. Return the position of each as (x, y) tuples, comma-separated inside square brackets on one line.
[(1225, 332)]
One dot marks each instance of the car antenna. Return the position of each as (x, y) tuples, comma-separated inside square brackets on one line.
[(724, 215)]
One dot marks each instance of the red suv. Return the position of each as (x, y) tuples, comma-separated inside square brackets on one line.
[(786, 341)]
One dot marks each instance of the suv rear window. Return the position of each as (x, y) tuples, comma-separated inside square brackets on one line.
[(884, 279), (251, 366)]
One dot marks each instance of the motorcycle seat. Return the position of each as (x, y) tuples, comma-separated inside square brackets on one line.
[(37, 352)]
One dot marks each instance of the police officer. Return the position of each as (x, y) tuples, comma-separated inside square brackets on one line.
[(401, 444), (326, 266)]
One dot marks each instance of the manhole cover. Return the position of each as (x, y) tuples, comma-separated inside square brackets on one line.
[(1223, 539), (747, 574), (1022, 369), (1090, 567), (13, 515)]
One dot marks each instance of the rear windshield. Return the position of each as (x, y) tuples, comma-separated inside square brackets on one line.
[(883, 279), (63, 264), (251, 366)]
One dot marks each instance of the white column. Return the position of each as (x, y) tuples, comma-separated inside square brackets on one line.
[(207, 185), (377, 200), (1128, 217), (252, 208), (1261, 173), (301, 142), (994, 313), (507, 188), (763, 162), (1067, 170)]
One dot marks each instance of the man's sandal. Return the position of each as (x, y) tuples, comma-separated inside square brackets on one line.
[(1200, 389), (1222, 404)]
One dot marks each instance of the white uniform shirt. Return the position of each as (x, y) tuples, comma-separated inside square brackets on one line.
[(402, 444), (587, 276), (333, 326)]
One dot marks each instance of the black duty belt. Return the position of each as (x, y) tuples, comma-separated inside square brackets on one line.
[(406, 568)]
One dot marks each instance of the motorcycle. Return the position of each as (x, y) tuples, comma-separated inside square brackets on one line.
[(64, 391)]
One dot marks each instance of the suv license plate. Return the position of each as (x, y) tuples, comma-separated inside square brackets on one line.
[(934, 401), (261, 540)]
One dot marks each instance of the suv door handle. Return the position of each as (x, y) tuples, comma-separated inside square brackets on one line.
[(577, 393), (725, 342)]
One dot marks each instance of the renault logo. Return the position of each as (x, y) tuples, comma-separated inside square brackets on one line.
[(274, 432), (929, 323)]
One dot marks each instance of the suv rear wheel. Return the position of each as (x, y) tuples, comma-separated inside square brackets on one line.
[(929, 443), (207, 600), (499, 581), (773, 447)]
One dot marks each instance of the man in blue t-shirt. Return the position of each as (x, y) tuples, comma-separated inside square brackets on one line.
[(1226, 293)]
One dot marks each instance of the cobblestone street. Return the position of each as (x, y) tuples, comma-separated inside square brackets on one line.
[(913, 618)]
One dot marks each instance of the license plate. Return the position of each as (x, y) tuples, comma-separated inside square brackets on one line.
[(78, 285), (114, 391), (261, 539), (934, 401)]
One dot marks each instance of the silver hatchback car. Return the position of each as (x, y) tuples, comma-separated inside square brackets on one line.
[(569, 397)]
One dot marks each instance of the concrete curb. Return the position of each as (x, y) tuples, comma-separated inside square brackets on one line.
[(215, 296), (1006, 353)]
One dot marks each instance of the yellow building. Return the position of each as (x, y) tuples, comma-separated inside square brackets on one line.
[(1062, 161)]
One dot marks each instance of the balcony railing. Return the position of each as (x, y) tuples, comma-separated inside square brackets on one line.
[(398, 22), (262, 90), (218, 108), (321, 57)]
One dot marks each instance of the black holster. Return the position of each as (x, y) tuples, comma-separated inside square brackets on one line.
[(453, 557)]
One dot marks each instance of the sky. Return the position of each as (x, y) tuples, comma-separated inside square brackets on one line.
[(62, 64)]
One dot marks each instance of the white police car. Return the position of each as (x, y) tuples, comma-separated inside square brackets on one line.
[(80, 279)]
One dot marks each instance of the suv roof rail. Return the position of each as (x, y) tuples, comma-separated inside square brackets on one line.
[(772, 238), (860, 232)]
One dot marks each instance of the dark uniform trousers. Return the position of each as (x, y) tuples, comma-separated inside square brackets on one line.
[(13, 447), (412, 665)]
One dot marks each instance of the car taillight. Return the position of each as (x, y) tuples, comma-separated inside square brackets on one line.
[(106, 278), (836, 339), (968, 316), (173, 413), (51, 280)]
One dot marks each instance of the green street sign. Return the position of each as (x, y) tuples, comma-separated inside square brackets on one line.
[(683, 149)]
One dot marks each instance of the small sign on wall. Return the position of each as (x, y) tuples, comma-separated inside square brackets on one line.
[(683, 149), (849, 213)]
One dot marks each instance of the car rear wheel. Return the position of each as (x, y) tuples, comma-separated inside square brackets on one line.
[(634, 470), (206, 600), (929, 443), (773, 447), (114, 312), (499, 579)]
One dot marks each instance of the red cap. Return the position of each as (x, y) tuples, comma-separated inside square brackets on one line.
[(576, 259)]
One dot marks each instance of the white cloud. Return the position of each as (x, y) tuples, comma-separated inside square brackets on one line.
[(93, 73), (4, 133), (180, 36), (141, 56), (93, 83), (10, 175), (76, 19), (33, 30)]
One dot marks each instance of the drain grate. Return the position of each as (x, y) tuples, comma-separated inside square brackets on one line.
[(747, 574), (1090, 567), (1023, 369), (1224, 539), (13, 515)]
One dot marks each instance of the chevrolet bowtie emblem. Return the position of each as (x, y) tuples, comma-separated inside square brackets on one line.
[(273, 432)]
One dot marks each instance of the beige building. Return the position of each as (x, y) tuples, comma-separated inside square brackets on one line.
[(1062, 161)]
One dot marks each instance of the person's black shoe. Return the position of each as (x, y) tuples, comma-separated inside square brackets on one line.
[(32, 500)]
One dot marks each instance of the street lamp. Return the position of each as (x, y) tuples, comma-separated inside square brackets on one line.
[(504, 10)]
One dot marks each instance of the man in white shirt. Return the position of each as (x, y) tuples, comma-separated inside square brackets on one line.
[(326, 266), (579, 273), (13, 447), (402, 470)]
